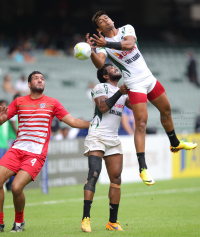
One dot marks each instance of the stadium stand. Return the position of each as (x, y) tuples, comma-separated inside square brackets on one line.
[(67, 79)]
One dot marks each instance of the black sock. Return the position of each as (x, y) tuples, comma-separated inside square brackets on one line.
[(113, 212), (173, 139), (141, 160), (86, 208)]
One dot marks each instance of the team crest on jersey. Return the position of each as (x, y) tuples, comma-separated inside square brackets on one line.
[(42, 106)]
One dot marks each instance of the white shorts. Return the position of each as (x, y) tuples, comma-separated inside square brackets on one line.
[(145, 85), (109, 145)]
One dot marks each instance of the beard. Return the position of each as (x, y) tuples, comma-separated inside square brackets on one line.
[(37, 90), (115, 77)]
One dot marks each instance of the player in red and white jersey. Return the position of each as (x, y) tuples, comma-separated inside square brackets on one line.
[(120, 46), (26, 157)]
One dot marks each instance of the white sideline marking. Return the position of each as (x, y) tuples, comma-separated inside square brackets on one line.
[(168, 191)]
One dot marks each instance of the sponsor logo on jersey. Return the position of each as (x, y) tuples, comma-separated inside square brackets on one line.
[(112, 111), (134, 58), (119, 106), (124, 53), (42, 106)]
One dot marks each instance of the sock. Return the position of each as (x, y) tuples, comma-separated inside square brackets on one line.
[(19, 216), (141, 160), (113, 212), (173, 139), (1, 218), (86, 208)]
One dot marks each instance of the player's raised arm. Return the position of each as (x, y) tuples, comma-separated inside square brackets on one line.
[(74, 122), (3, 114), (97, 59), (104, 103), (127, 44)]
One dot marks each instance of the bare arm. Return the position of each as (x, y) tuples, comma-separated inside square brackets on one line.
[(127, 44), (74, 122), (97, 59), (104, 105), (101, 104), (3, 115)]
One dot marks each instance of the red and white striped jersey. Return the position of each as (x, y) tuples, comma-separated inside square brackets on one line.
[(35, 118)]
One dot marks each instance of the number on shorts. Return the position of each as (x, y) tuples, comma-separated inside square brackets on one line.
[(33, 161)]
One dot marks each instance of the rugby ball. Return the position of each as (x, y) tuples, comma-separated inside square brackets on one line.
[(82, 51)]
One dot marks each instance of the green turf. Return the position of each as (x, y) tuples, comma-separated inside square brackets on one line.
[(169, 208)]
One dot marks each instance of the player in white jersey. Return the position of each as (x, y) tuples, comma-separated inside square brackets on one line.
[(120, 46), (103, 142)]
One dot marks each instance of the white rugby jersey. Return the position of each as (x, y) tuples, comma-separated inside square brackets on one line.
[(131, 62), (106, 124)]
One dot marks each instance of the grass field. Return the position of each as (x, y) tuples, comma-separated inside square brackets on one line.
[(169, 208)]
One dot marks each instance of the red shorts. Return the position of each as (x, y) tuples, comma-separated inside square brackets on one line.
[(138, 97), (16, 160)]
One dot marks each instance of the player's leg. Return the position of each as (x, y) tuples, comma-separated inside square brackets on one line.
[(139, 108), (5, 174), (114, 168), (21, 180), (161, 102), (9, 166), (95, 165), (30, 167)]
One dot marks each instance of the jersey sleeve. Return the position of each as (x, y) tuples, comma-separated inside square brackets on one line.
[(129, 30), (12, 109), (59, 110), (101, 50), (99, 90)]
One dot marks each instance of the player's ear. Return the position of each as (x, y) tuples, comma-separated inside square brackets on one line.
[(29, 85), (99, 30), (106, 77)]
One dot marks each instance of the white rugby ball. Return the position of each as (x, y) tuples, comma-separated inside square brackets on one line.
[(82, 51)]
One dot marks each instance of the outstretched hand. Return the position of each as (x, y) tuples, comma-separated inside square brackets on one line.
[(3, 114), (89, 41), (98, 40), (123, 89)]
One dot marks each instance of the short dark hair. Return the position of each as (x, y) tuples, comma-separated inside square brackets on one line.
[(16, 96), (33, 73), (96, 16), (3, 101), (103, 71)]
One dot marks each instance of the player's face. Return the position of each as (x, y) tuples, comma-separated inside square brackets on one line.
[(113, 73), (104, 23), (37, 83)]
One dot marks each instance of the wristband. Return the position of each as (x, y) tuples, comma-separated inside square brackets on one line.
[(112, 100), (114, 45)]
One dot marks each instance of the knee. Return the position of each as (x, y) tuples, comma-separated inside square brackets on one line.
[(116, 179), (166, 113), (95, 165), (16, 189), (141, 125)]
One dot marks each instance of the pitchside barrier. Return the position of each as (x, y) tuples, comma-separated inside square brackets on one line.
[(68, 166), (187, 163)]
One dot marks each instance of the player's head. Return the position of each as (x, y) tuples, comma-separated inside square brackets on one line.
[(16, 96), (3, 103), (102, 22), (36, 82), (108, 73)]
